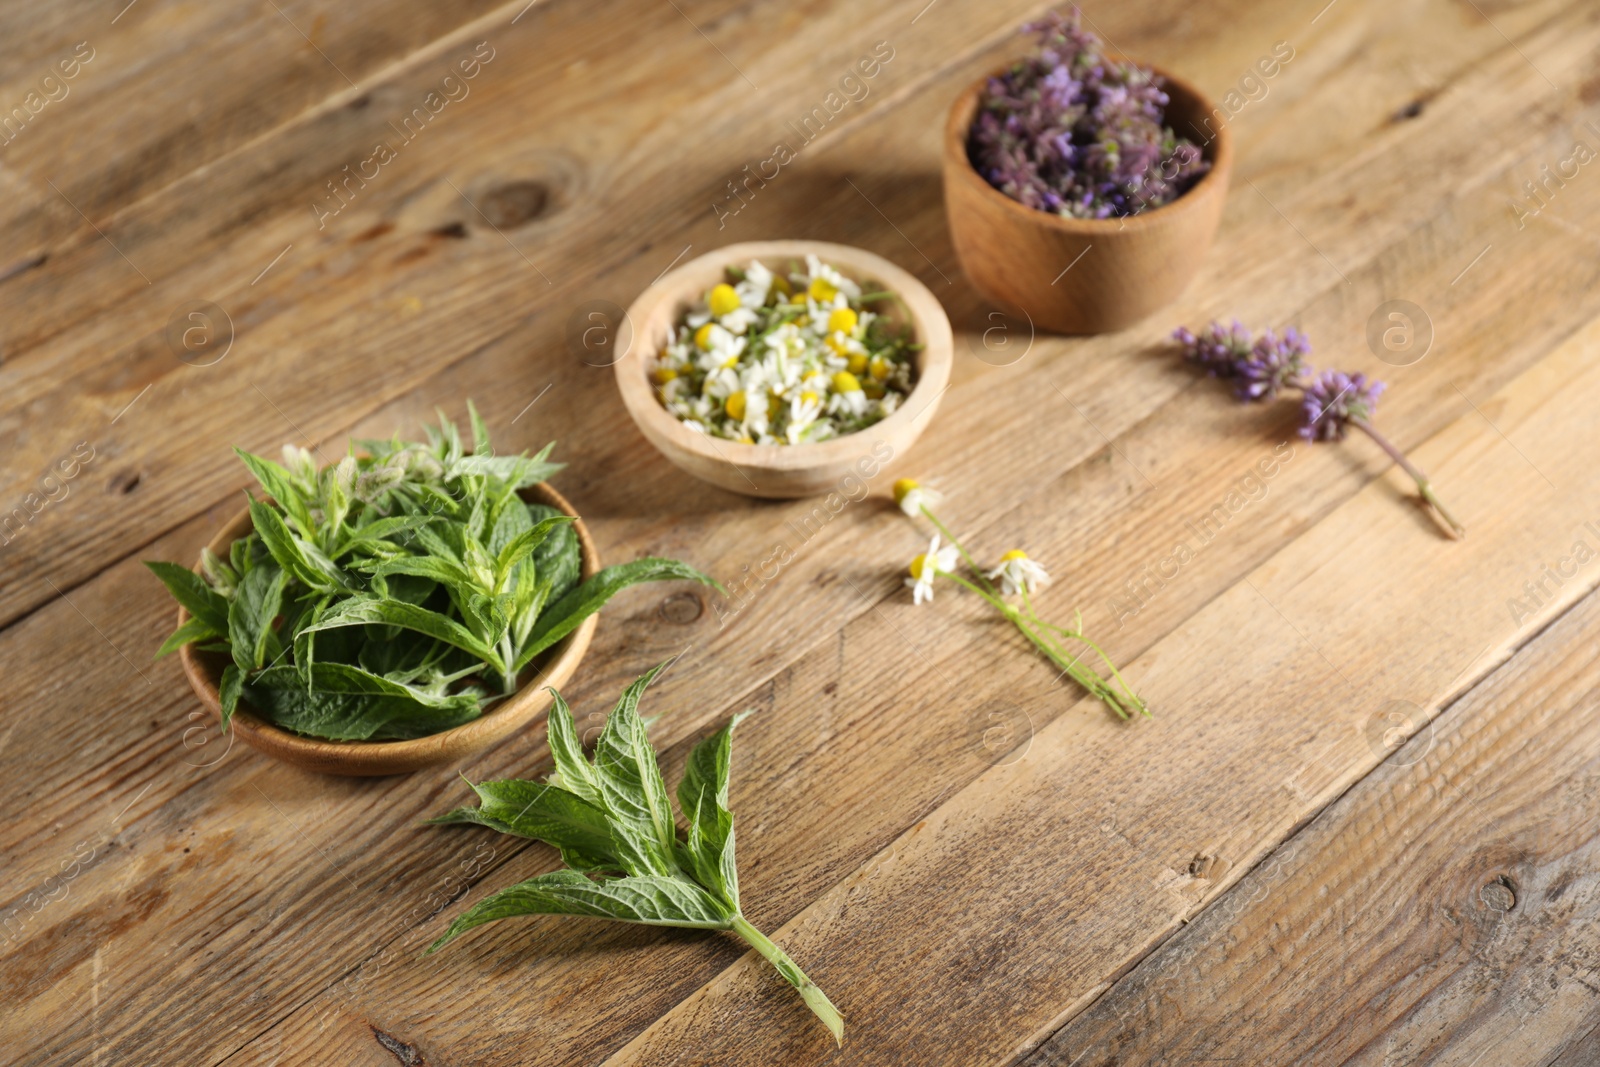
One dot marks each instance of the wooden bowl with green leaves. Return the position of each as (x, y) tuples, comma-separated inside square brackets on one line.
[(401, 608)]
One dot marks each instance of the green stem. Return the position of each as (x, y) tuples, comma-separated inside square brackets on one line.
[(1078, 635), (508, 656), (815, 999), (977, 572), (1423, 485), (1091, 682)]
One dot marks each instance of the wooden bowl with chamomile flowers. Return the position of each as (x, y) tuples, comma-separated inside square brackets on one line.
[(552, 669), (786, 470)]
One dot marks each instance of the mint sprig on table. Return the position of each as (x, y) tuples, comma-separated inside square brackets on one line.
[(613, 824), (396, 593)]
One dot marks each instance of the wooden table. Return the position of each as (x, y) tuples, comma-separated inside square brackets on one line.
[(1360, 828)]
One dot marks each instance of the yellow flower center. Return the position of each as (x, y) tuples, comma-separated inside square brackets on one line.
[(879, 368), (836, 342), (734, 405), (858, 363), (731, 361), (874, 390), (822, 290), (903, 486), (781, 284), (842, 319), (665, 374), (917, 564), (723, 299), (845, 382), (808, 397), (1015, 553), (702, 337)]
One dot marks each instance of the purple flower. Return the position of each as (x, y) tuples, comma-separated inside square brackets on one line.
[(1220, 349), (1332, 399), (1071, 132), (1273, 363)]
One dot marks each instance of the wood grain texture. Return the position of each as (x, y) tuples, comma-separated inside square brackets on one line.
[(1441, 912), (1054, 869), (283, 914)]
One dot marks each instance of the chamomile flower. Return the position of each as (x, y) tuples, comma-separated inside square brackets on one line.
[(913, 496), (810, 361), (740, 319), (1017, 572), (926, 566), (847, 399), (756, 285), (823, 282)]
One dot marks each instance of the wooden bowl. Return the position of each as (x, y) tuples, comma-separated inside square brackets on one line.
[(367, 758), (780, 471), (1120, 269)]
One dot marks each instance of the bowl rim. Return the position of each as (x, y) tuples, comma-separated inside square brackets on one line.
[(367, 758), (1219, 149), (927, 318)]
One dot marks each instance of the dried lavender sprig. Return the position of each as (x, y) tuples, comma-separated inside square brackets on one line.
[(1331, 401), (1072, 132)]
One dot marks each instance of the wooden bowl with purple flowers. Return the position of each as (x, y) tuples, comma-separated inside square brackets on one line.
[(1075, 274)]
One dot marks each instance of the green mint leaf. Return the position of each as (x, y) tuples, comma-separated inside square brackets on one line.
[(548, 813), (518, 472), (558, 559), (376, 533), (250, 615), (360, 610), (523, 545), (480, 432), (228, 693), (451, 439), (649, 900), (345, 703), (279, 484), (509, 521), (624, 786), (562, 617), (194, 629), (703, 796), (191, 591), (439, 570), (488, 615), (573, 770), (299, 558), (634, 794)]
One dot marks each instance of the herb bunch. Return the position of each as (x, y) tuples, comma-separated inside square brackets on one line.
[(1019, 576), (766, 358), (393, 594), (625, 859), (1073, 132), (1331, 401)]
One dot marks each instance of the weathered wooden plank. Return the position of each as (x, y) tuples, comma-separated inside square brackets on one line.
[(492, 291), (1047, 874), (938, 754), (407, 270), (617, 500), (118, 101), (1442, 912)]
